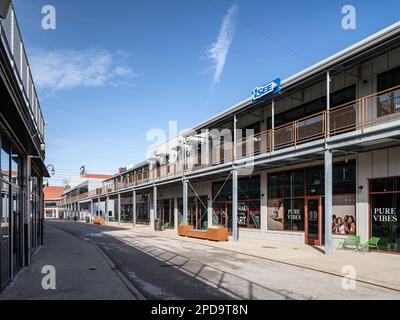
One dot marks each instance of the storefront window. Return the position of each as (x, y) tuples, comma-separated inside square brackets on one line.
[(344, 213), (288, 193), (294, 184), (249, 213), (294, 214), (384, 215), (344, 178), (315, 181)]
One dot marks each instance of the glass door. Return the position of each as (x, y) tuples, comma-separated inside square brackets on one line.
[(314, 221)]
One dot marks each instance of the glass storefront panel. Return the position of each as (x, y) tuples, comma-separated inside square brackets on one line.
[(384, 213), (294, 214), (294, 184), (315, 181), (344, 213), (295, 187), (249, 210), (143, 212)]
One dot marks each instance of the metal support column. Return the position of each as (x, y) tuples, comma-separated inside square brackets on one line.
[(234, 136), (134, 208), (185, 202), (328, 175), (98, 206), (328, 101), (119, 208), (106, 214), (91, 210), (155, 215), (328, 201), (273, 124), (235, 205)]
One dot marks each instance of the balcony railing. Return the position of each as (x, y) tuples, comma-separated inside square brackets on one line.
[(12, 41), (362, 113)]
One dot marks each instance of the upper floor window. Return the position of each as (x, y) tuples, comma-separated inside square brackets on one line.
[(389, 102)]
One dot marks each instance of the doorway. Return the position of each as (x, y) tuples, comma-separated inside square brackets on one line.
[(314, 228)]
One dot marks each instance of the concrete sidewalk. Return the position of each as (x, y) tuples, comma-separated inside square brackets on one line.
[(380, 269), (83, 272)]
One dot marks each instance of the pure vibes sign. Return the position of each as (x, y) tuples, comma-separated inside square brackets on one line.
[(385, 215)]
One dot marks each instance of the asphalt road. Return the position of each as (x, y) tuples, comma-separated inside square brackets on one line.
[(162, 268)]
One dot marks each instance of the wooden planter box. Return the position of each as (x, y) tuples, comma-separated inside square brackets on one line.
[(99, 221), (199, 234), (217, 234), (183, 230)]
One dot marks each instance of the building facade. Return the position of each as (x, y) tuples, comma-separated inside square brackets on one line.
[(52, 202), (74, 204), (22, 153), (310, 159)]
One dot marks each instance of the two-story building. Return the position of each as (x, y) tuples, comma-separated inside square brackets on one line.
[(22, 152), (310, 159)]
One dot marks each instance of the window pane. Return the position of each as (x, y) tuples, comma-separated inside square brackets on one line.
[(294, 184), (385, 185), (294, 214), (315, 181), (385, 217), (344, 178), (15, 171), (5, 159), (275, 185)]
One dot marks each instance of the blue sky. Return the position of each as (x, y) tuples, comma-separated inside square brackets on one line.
[(111, 71)]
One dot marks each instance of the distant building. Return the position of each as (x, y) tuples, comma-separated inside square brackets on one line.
[(76, 190), (52, 202)]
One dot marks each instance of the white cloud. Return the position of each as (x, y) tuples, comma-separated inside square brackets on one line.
[(65, 69), (218, 51)]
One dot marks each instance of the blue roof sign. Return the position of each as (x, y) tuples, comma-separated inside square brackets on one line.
[(269, 89)]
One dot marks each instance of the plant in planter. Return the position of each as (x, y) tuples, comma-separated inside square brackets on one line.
[(217, 233), (183, 229)]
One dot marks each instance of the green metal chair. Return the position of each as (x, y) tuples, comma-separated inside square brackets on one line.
[(351, 242), (371, 244)]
